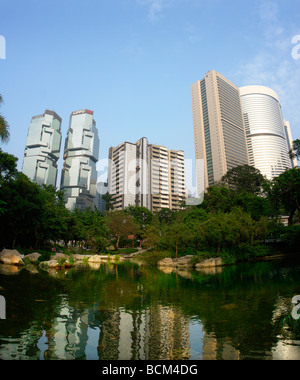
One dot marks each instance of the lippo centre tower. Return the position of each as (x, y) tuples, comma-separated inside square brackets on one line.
[(79, 174)]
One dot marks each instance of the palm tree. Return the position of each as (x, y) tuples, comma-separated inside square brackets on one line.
[(4, 127), (109, 201)]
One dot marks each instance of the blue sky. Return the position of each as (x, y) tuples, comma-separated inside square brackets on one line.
[(133, 62)]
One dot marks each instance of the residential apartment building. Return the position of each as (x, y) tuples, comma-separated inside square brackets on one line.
[(167, 178), (79, 175), (219, 132), (42, 148), (127, 174), (269, 137), (140, 174)]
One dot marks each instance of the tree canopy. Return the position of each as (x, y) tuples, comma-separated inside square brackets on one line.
[(4, 127), (284, 191), (296, 152), (244, 178)]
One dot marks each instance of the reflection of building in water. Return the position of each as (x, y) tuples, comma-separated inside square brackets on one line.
[(108, 347), (19, 348), (67, 338), (156, 333), (168, 334), (214, 349)]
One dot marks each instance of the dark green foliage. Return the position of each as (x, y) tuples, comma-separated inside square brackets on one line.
[(296, 153), (31, 214), (141, 215), (284, 192), (8, 166), (244, 178)]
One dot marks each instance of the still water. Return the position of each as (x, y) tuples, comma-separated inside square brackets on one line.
[(131, 311)]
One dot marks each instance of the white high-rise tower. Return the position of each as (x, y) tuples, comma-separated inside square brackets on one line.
[(265, 130)]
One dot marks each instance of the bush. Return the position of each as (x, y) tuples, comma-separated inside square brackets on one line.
[(291, 236)]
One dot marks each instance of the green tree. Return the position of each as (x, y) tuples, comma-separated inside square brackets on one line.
[(177, 233), (8, 166), (285, 191), (192, 221), (151, 237), (121, 225), (8, 170), (53, 215), (228, 230), (253, 204), (218, 199), (22, 220), (4, 127), (95, 231), (75, 231), (295, 153), (141, 215), (109, 201), (165, 215), (244, 178)]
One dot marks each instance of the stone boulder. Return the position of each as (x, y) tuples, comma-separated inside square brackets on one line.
[(184, 262), (32, 257), (167, 262), (50, 263), (59, 255), (11, 257), (95, 259), (210, 263)]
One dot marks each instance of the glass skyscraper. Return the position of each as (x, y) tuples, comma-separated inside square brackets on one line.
[(42, 148), (265, 130), (79, 175), (219, 130)]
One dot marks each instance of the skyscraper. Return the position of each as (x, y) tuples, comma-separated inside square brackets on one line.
[(79, 175), (265, 130), (151, 176), (219, 131), (43, 148), (290, 142)]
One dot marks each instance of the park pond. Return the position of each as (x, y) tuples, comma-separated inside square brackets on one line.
[(133, 311)]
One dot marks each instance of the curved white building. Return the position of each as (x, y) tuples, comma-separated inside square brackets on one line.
[(265, 131)]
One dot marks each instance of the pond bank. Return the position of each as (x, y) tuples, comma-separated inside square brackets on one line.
[(61, 261)]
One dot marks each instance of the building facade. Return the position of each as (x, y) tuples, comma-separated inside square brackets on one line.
[(219, 131), (268, 135), (79, 175), (290, 143), (167, 178), (127, 182), (150, 176), (42, 148)]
